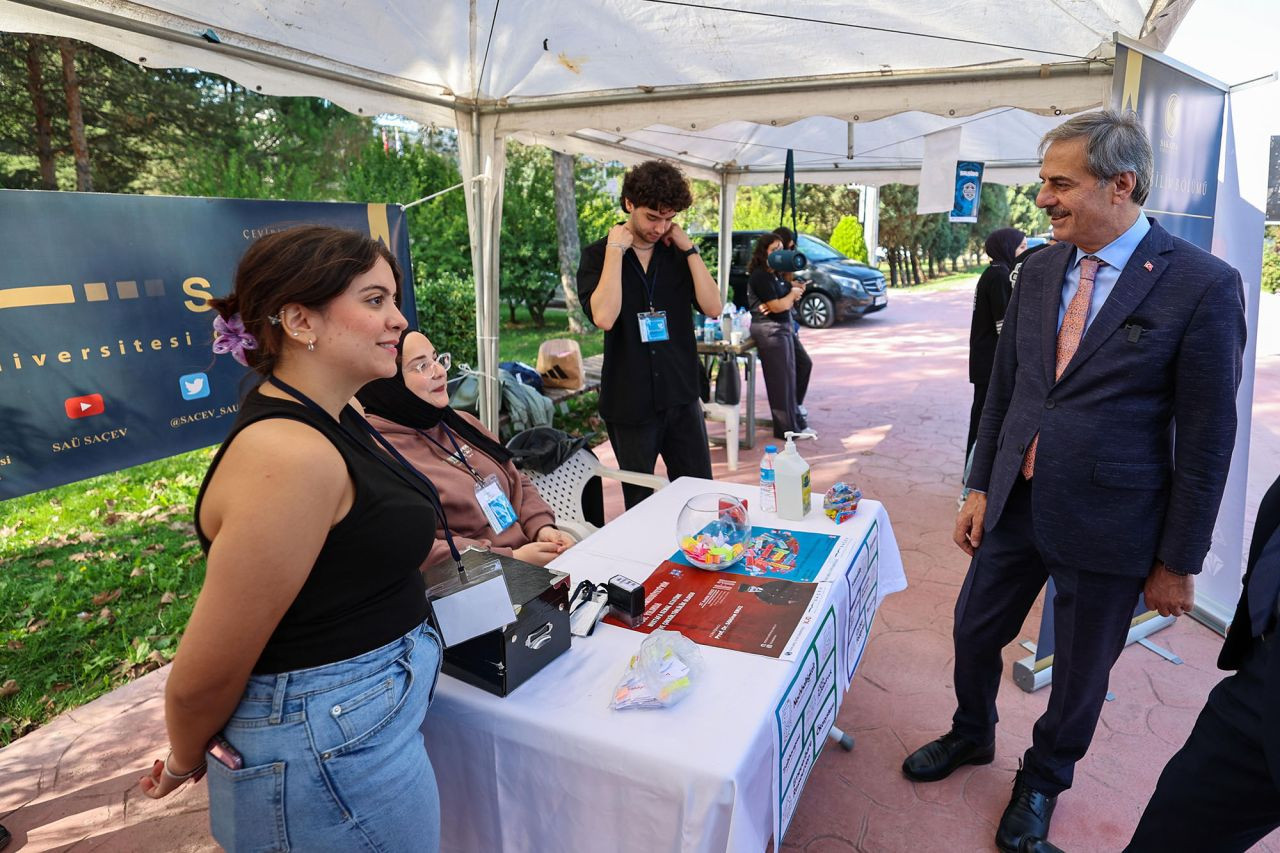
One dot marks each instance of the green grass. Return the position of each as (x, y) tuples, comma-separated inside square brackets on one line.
[(519, 341), (97, 581), (98, 578)]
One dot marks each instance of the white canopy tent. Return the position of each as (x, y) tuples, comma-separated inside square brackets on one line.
[(722, 91)]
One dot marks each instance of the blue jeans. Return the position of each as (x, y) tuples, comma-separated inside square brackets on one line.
[(333, 756)]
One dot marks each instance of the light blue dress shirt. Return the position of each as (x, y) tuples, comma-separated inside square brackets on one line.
[(1115, 255)]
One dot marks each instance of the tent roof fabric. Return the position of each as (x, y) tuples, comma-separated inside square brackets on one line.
[(566, 65)]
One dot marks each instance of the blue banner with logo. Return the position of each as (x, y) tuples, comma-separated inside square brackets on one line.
[(968, 191), (1183, 115), (105, 334)]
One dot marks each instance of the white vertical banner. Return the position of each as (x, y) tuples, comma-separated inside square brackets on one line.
[(1237, 239), (938, 171)]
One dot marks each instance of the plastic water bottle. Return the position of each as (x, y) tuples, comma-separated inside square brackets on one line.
[(768, 486)]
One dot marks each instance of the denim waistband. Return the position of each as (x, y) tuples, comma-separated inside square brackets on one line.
[(300, 683)]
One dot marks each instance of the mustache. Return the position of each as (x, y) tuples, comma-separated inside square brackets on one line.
[(1055, 212)]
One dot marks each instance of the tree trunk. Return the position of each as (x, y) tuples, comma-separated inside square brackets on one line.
[(932, 274), (567, 239), (893, 267), (75, 118), (915, 268), (44, 122)]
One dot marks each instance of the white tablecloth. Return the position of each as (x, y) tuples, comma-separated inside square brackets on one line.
[(552, 768)]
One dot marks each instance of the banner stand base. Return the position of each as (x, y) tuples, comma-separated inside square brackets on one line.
[(1031, 675)]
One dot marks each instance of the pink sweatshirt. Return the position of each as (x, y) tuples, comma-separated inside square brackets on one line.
[(458, 492)]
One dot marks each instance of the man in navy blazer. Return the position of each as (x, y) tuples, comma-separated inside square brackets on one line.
[(1111, 337), (1221, 791)]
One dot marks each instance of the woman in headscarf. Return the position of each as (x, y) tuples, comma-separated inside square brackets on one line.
[(488, 501), (990, 299)]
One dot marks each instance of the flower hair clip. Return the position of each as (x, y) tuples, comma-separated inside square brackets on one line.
[(229, 336)]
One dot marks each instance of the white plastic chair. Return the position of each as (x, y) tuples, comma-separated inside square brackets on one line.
[(562, 489), (729, 415)]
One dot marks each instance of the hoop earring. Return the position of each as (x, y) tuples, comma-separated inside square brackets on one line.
[(311, 345)]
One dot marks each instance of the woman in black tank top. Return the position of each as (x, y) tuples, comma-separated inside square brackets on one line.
[(307, 654)]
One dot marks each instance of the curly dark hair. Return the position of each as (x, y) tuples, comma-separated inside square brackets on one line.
[(657, 185)]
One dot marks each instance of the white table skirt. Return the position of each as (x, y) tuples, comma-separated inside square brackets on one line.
[(552, 768)]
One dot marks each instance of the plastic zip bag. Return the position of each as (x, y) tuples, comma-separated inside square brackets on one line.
[(660, 674)]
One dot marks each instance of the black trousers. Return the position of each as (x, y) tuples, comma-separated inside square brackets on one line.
[(1091, 614), (1217, 793), (975, 415), (787, 368), (678, 433)]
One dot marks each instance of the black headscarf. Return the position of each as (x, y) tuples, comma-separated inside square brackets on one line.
[(391, 399), (1002, 246)]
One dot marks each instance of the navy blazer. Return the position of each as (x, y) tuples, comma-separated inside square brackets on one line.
[(1241, 631), (1113, 489)]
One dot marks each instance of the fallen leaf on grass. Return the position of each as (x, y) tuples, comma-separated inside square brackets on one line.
[(137, 572), (111, 518), (36, 624), (83, 616), (44, 564), (9, 688), (87, 536), (167, 598), (149, 512), (153, 548), (59, 577), (60, 687), (106, 615), (79, 557), (14, 645), (6, 532), (106, 597)]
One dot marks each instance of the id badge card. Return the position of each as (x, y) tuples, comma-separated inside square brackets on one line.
[(653, 326), (494, 504)]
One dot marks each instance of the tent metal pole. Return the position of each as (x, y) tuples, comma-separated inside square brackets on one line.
[(728, 197)]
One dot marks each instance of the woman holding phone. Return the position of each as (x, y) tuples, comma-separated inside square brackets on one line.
[(771, 299), (307, 665)]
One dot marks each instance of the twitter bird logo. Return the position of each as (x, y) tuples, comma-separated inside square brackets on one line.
[(193, 386)]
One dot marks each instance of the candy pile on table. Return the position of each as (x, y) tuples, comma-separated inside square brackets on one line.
[(841, 502), (709, 549)]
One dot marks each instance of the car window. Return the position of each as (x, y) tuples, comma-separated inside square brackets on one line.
[(816, 250)]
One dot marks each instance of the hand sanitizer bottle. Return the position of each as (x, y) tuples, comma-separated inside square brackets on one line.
[(791, 474)]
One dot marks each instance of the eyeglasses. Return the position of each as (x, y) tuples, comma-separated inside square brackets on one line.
[(444, 359)]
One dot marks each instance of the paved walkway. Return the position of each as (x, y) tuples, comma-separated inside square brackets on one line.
[(890, 400)]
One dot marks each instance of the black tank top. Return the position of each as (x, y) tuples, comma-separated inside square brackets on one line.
[(365, 588)]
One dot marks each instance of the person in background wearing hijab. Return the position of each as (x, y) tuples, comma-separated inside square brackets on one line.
[(990, 299), (488, 501)]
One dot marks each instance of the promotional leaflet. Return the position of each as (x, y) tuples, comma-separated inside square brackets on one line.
[(730, 611), (790, 554), (862, 581)]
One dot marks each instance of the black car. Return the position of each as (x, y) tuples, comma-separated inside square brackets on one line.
[(836, 288)]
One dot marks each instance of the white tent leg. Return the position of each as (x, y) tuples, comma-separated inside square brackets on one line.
[(482, 152), (728, 197), (869, 213)]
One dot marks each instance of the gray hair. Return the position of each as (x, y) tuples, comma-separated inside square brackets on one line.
[(1117, 142)]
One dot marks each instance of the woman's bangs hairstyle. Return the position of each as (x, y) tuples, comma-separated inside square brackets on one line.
[(308, 265)]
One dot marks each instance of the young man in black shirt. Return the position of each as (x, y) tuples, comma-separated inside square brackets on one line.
[(640, 285)]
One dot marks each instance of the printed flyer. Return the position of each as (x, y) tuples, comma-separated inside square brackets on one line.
[(761, 616), (789, 554), (862, 580)]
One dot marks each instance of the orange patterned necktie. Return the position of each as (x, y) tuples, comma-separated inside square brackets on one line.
[(1069, 336)]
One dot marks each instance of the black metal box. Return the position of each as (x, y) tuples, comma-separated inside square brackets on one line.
[(502, 660)]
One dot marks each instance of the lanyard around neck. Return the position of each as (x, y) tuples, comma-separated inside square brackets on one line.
[(431, 493), (650, 278), (457, 451)]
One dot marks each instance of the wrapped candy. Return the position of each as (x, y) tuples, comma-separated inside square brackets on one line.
[(841, 502)]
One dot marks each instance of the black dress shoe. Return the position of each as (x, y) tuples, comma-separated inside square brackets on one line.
[(1038, 845), (937, 759), (1027, 816)]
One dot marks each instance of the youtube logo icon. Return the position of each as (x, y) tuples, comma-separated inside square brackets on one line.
[(84, 407)]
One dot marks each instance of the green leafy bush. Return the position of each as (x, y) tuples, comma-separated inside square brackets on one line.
[(446, 304), (1271, 262), (848, 240)]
